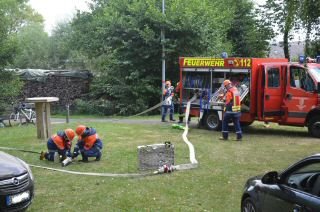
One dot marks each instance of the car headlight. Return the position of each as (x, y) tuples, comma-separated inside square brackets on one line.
[(27, 167)]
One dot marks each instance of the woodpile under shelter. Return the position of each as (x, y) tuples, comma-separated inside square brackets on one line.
[(67, 85)]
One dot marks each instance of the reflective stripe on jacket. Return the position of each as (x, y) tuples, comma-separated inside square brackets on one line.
[(233, 103)]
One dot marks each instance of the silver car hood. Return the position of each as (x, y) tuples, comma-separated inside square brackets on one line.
[(10, 166)]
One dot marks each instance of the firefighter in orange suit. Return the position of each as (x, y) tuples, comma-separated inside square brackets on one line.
[(89, 144), (232, 111), (60, 143)]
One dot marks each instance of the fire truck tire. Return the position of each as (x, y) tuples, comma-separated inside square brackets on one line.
[(212, 122), (314, 126)]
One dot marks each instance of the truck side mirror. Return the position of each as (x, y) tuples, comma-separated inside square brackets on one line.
[(318, 87)]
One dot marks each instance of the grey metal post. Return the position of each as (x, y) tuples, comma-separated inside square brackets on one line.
[(163, 52), (68, 113)]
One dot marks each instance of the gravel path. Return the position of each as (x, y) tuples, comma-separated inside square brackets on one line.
[(121, 120)]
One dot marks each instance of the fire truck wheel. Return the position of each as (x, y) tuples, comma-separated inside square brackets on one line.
[(314, 126), (212, 122)]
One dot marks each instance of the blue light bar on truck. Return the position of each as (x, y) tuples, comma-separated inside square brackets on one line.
[(302, 59)]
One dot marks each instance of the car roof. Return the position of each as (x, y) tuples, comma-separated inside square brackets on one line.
[(315, 155)]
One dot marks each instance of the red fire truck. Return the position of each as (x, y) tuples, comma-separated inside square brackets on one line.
[(272, 89)]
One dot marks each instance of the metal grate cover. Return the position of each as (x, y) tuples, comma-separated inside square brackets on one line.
[(151, 157)]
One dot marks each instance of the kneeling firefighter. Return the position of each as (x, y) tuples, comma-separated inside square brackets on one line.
[(59, 145), (89, 144)]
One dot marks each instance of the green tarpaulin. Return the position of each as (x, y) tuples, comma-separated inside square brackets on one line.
[(41, 75)]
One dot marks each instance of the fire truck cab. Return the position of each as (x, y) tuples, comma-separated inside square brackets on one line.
[(272, 89)]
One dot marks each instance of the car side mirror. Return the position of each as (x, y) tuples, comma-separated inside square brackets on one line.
[(270, 178)]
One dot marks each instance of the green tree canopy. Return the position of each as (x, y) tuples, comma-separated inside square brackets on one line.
[(122, 40), (249, 35), (33, 45), (290, 16), (62, 55), (283, 14), (310, 16), (10, 87), (14, 14)]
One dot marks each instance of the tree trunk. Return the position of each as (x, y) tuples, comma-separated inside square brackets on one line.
[(307, 43), (286, 44)]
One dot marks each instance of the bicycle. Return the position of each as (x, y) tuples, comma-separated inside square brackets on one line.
[(22, 115)]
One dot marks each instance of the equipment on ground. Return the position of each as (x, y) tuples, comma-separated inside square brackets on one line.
[(177, 126), (165, 169), (66, 162)]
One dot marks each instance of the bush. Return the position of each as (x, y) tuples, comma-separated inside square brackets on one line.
[(11, 87), (102, 107)]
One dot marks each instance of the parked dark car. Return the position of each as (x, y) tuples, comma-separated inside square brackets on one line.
[(295, 189), (16, 183)]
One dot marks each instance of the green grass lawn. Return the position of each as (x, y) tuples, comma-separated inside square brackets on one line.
[(216, 185)]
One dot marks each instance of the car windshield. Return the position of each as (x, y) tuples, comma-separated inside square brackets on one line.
[(315, 71)]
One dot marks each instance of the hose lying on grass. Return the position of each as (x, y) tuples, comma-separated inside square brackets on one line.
[(192, 156), (164, 169)]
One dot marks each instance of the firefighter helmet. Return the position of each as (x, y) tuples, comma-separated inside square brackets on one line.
[(80, 129), (69, 134), (226, 82)]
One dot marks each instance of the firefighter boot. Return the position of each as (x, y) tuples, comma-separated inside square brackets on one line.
[(42, 155), (180, 119), (98, 157), (224, 136), (239, 137), (163, 119), (84, 158)]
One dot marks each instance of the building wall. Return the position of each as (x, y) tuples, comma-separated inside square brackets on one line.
[(295, 49)]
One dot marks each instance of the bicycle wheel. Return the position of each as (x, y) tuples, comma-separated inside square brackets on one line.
[(14, 119), (4, 122)]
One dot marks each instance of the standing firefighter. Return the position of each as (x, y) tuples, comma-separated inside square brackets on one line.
[(168, 103), (59, 145), (178, 88), (89, 144), (232, 111)]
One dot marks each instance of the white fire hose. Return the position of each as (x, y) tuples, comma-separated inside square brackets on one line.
[(164, 169), (193, 160)]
